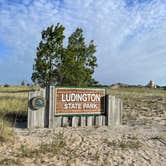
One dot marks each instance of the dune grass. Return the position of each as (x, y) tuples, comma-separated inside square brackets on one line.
[(141, 103), (137, 92), (13, 101), (6, 132), (13, 106), (137, 101)]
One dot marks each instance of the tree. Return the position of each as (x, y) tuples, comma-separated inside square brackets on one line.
[(73, 65), (22, 83), (79, 61), (48, 56)]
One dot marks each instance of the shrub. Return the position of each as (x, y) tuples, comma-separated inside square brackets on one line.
[(6, 85)]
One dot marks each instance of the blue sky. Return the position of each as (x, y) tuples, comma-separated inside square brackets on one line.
[(130, 36)]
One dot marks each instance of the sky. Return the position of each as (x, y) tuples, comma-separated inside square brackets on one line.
[(130, 36)]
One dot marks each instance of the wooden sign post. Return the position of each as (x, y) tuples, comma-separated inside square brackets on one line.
[(62, 107)]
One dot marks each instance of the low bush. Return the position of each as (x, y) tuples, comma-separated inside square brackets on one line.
[(6, 85)]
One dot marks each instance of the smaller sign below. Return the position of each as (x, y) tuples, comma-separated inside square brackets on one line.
[(79, 101), (37, 103)]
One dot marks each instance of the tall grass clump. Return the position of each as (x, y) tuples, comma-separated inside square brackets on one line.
[(14, 102), (6, 132)]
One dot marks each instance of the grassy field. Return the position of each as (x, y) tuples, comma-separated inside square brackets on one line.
[(13, 101), (137, 92), (13, 106), (109, 146), (139, 103), (142, 104)]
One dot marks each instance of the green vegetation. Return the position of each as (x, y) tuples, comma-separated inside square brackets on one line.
[(71, 65), (9, 161), (138, 92), (23, 83), (124, 143), (55, 147), (6, 132), (141, 103), (13, 106), (13, 101), (138, 98)]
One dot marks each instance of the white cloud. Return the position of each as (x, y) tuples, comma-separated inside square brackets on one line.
[(130, 39)]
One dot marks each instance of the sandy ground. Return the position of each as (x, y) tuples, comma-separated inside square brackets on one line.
[(136, 145)]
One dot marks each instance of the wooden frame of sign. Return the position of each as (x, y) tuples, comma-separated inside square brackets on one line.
[(71, 106)]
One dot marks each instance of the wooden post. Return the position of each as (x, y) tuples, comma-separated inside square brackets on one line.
[(114, 111), (98, 120), (83, 121), (36, 117), (51, 106), (46, 116), (57, 122), (65, 121), (103, 120), (75, 121), (89, 120)]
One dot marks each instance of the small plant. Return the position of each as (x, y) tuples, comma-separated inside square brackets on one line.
[(6, 132), (129, 144), (97, 156), (57, 144), (124, 143), (55, 147), (28, 152), (9, 161)]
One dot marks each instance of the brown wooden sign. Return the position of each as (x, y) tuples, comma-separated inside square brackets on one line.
[(79, 101)]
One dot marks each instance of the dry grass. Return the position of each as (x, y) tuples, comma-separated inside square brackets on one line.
[(13, 101), (124, 143), (6, 132), (55, 147), (9, 161), (13, 105), (141, 103), (137, 102), (137, 92)]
